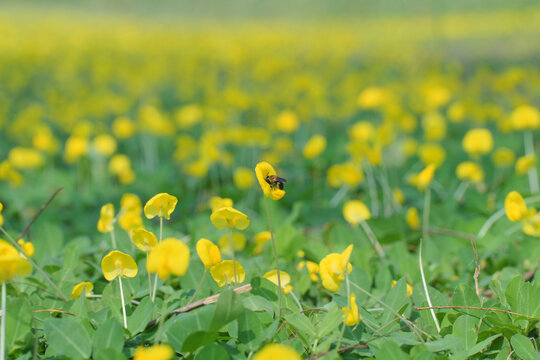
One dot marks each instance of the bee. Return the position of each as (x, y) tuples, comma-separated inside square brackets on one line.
[(274, 181)]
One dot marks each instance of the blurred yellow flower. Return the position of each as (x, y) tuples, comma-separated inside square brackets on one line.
[(117, 263), (186, 146), (120, 165), (410, 147), (11, 262), (208, 253), (260, 239), (263, 170), (123, 127), (362, 131), (243, 178), (239, 243), (398, 196), (78, 289), (515, 206), (314, 147), (44, 140), (106, 219), (372, 97), (277, 352), (456, 112), (76, 147), (525, 117), (287, 122), (312, 267), (423, 178), (1, 216), (197, 168), (223, 273), (344, 174), (161, 205), (25, 158), (130, 202), (7, 172), (130, 220), (227, 217), (409, 288), (27, 247), (531, 224), (412, 218), (503, 157), (105, 144), (171, 256), (188, 116), (351, 317), (284, 277), (334, 267), (470, 171), (154, 352), (355, 211), (477, 142), (144, 239), (524, 163), (434, 126), (217, 203), (432, 154)]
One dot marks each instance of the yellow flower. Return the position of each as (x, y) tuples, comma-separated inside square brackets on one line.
[(477, 142), (351, 317), (334, 267), (106, 219), (531, 224), (1, 217), (432, 154), (261, 239), (239, 243), (515, 206), (524, 163), (410, 147), (262, 170), (130, 202), (188, 116), (312, 267), (409, 288), (503, 157), (362, 131), (25, 158), (284, 277), (123, 127), (171, 256), (155, 352), (11, 262), (144, 239), (208, 252), (398, 196), (434, 126), (243, 178), (277, 352), (287, 122), (217, 202), (223, 273), (161, 205), (76, 147), (470, 171), (314, 147), (130, 220), (344, 174), (116, 263), (227, 217), (372, 97), (27, 247), (413, 220), (44, 140), (7, 172), (78, 289), (525, 117), (456, 112), (355, 212), (120, 165), (105, 144), (423, 178)]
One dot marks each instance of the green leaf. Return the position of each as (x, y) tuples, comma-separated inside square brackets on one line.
[(464, 295), (212, 351), (302, 324), (141, 316), (330, 322), (108, 354), (523, 347), (197, 339), (446, 343), (249, 329), (396, 299), (109, 335), (465, 329), (496, 286), (18, 321), (258, 303), (229, 307), (390, 351), (182, 325), (68, 337)]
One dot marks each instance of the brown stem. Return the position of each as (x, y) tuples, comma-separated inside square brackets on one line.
[(41, 209)]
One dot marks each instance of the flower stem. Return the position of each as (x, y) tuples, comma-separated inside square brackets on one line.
[(233, 258), (529, 150), (427, 209), (3, 336), (373, 239), (426, 292), (348, 309), (372, 186), (460, 191), (199, 287), (149, 280), (156, 277), (113, 239), (32, 262), (123, 303), (274, 249)]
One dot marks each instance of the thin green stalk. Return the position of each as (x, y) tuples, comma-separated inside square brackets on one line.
[(426, 292), (38, 268), (199, 287), (3, 336), (156, 277), (274, 249), (427, 209), (373, 239), (149, 279), (372, 187), (113, 239), (348, 309), (233, 257), (529, 150), (123, 302)]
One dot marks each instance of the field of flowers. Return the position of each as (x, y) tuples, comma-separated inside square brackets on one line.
[(273, 189)]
